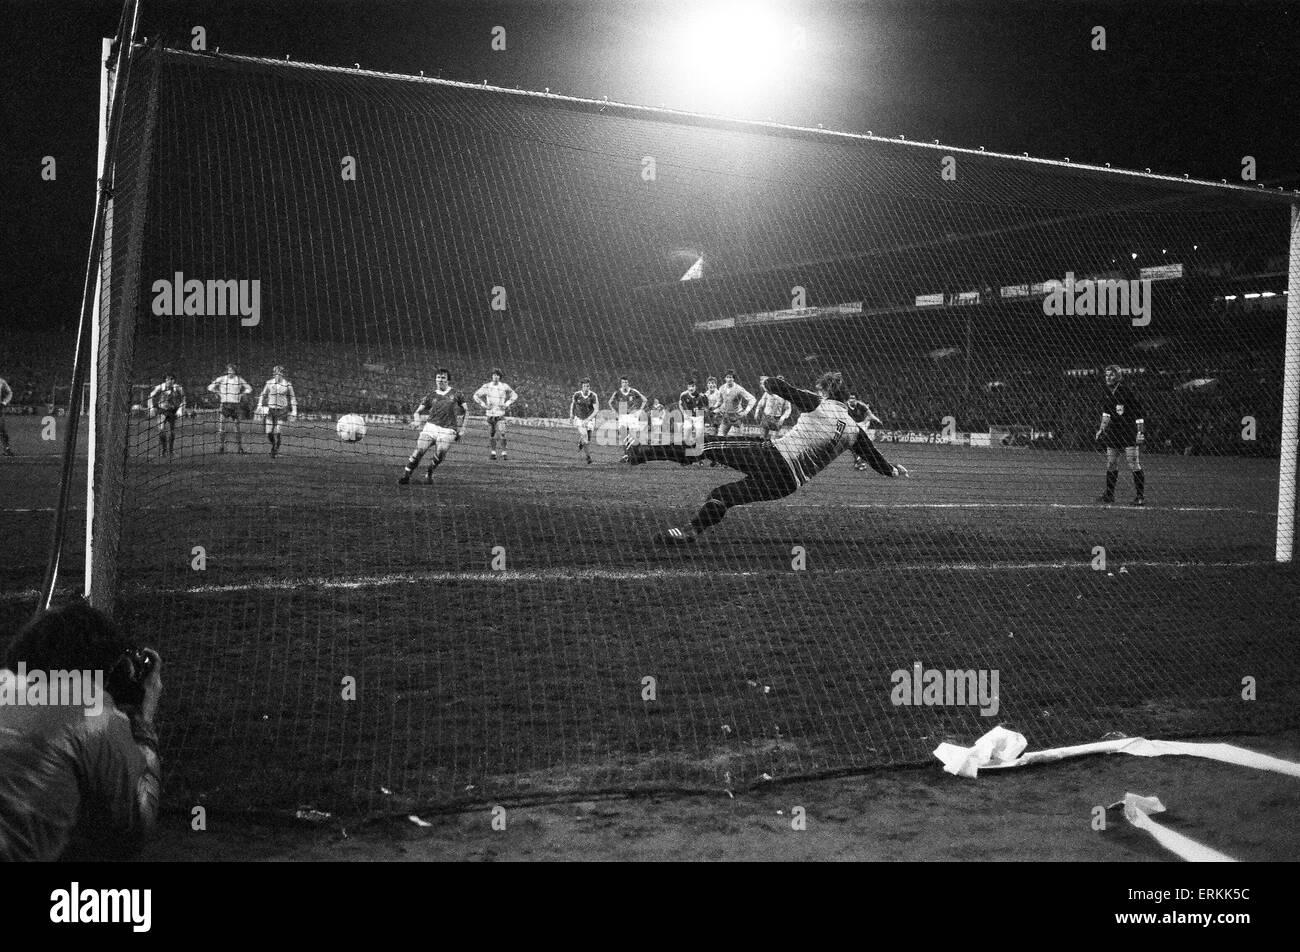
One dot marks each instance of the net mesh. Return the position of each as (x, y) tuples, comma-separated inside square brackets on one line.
[(334, 638)]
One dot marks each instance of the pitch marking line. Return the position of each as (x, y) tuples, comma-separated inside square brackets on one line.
[(857, 505), (623, 575), (635, 575), (1049, 505)]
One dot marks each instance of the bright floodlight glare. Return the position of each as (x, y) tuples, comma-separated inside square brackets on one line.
[(729, 55)]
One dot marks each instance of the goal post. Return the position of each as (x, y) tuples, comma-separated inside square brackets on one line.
[(354, 234), (1286, 485)]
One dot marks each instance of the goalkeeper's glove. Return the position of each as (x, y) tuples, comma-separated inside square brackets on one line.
[(900, 470)]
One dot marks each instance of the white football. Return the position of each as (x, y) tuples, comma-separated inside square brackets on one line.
[(351, 428)]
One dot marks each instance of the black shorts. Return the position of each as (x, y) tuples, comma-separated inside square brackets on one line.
[(276, 414), (168, 415), (232, 411), (495, 422), (758, 459), (1118, 440)]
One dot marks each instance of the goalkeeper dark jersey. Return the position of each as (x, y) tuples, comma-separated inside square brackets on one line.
[(1124, 412)]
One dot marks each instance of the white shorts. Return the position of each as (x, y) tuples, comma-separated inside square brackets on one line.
[(630, 420), (440, 436), (587, 425), (692, 429)]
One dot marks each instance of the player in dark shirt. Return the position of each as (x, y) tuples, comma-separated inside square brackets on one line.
[(441, 419), (775, 468), (694, 406), (582, 410), (166, 401), (1121, 430)]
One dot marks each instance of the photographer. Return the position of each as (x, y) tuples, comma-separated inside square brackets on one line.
[(78, 780)]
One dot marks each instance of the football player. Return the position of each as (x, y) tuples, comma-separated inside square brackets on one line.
[(627, 402), (775, 468), (440, 417), (6, 394), (230, 389), (1122, 430), (166, 402), (694, 405), (582, 411), (276, 403), (496, 398), (734, 404), (772, 412)]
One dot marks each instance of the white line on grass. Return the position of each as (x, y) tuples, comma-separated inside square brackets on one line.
[(1049, 505), (627, 575), (634, 575)]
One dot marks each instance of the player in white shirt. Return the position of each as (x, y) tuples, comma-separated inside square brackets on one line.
[(496, 398), (713, 413), (771, 412), (734, 404), (859, 408), (230, 389), (277, 403), (167, 402), (6, 395), (775, 468)]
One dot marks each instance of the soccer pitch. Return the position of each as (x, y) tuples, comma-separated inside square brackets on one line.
[(348, 643)]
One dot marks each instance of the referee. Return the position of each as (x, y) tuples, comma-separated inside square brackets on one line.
[(1121, 430)]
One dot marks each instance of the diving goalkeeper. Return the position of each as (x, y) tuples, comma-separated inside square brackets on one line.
[(775, 468)]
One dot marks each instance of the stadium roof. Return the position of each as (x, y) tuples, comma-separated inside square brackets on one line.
[(583, 209)]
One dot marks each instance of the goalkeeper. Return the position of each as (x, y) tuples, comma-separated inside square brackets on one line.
[(775, 468)]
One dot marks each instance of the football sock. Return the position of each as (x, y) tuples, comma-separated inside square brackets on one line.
[(414, 461), (709, 515), (1112, 477), (1140, 482)]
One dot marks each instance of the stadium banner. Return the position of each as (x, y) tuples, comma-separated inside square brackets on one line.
[(1161, 272)]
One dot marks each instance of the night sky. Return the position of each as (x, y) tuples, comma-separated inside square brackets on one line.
[(1181, 87)]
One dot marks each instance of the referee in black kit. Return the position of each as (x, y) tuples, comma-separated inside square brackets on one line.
[(1121, 431)]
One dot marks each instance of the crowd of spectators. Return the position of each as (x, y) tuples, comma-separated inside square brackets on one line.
[(1199, 403)]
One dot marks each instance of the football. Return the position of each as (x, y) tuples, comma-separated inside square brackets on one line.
[(351, 428)]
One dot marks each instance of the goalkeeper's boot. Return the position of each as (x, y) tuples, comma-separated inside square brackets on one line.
[(675, 536)]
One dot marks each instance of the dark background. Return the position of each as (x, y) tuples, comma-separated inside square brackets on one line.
[(1181, 87)]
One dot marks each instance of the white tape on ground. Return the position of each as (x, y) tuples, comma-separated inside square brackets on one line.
[(1001, 749), (1138, 810)]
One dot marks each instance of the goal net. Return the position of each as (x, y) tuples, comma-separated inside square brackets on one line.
[(512, 627)]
